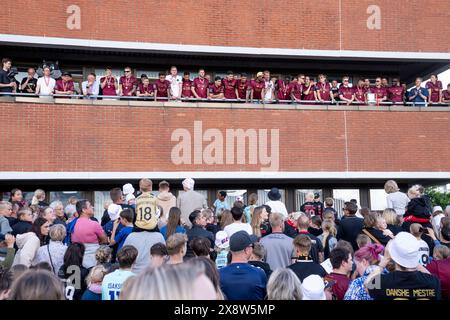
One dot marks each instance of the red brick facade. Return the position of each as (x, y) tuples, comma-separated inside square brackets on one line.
[(272, 24), (55, 137)]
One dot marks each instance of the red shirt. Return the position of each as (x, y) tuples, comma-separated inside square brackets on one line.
[(257, 88), (395, 93), (340, 287), (310, 95), (435, 88), (162, 88), (229, 88), (64, 86), (216, 90), (446, 95), (147, 89), (127, 84), (346, 92), (441, 269), (242, 88), (380, 92), (282, 88), (324, 89), (201, 87), (186, 91), (295, 89), (109, 89), (360, 94)]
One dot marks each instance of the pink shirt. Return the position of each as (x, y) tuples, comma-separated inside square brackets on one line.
[(86, 231)]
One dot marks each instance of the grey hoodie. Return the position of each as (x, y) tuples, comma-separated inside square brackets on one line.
[(166, 200)]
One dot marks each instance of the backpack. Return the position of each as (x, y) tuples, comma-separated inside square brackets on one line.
[(70, 230)]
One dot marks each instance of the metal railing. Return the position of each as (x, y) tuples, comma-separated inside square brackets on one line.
[(223, 100)]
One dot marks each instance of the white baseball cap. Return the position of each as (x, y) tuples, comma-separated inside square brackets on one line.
[(437, 209), (222, 240), (128, 189), (313, 288), (188, 183), (404, 250)]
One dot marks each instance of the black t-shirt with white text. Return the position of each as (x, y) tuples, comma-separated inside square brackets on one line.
[(406, 285), (31, 85)]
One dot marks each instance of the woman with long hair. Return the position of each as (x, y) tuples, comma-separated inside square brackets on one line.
[(328, 237), (73, 261), (39, 198), (173, 224), (259, 222)]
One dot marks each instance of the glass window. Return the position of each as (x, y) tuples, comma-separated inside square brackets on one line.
[(232, 196), (64, 196), (300, 196), (27, 195), (377, 199), (100, 198)]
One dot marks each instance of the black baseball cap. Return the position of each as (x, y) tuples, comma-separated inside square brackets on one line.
[(240, 240), (316, 195), (65, 73)]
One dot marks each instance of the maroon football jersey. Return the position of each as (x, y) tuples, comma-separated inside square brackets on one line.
[(186, 91), (346, 92), (127, 84), (213, 89), (201, 87), (64, 86), (310, 95), (162, 88), (146, 89), (435, 88), (395, 94), (295, 89), (324, 90), (360, 94), (379, 92), (229, 88), (257, 88), (242, 88), (109, 89)]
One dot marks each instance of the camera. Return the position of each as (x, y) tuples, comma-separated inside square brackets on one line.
[(12, 73)]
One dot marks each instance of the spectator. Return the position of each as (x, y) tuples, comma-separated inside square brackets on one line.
[(174, 223), (434, 87), (37, 285), (91, 87), (201, 247), (437, 214), (366, 258), (274, 202), (279, 247), (445, 235), (198, 222), (127, 83), (45, 85), (220, 204), (53, 252), (373, 230), (65, 85), (200, 85), (58, 210), (6, 280), (170, 282), (315, 227), (109, 83), (313, 288), (318, 205), (126, 220), (28, 83), (39, 198), (165, 199), (147, 210), (94, 283), (113, 210), (308, 206), (291, 224), (29, 243), (225, 219), (304, 266), (350, 225), (328, 237), (189, 200), (418, 209), (87, 232), (73, 264), (7, 258), (316, 248), (48, 214), (248, 210), (7, 84), (257, 258), (440, 268), (237, 224), (70, 209), (342, 262), (211, 224), (18, 270), (5, 211), (113, 282), (406, 280), (176, 248), (24, 222), (393, 220), (424, 250), (418, 95), (17, 197), (103, 256), (159, 254), (211, 272), (284, 285), (240, 280), (395, 199), (222, 247)]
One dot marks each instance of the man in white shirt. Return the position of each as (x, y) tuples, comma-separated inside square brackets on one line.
[(275, 203), (46, 84), (91, 86), (176, 82), (237, 225), (269, 88)]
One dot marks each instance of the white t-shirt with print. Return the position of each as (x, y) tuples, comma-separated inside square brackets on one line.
[(175, 84)]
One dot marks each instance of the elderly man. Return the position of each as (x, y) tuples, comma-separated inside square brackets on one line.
[(189, 200)]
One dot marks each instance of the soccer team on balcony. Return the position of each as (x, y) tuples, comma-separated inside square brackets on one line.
[(264, 88)]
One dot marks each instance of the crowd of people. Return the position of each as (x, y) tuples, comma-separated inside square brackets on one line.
[(149, 246), (263, 88)]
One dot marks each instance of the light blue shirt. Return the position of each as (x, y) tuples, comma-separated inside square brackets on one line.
[(112, 284), (219, 205)]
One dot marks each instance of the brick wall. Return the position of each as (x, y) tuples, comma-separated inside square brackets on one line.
[(325, 24), (54, 137)]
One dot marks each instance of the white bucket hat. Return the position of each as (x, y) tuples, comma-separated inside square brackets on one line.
[(128, 189), (404, 250), (114, 211), (313, 288)]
